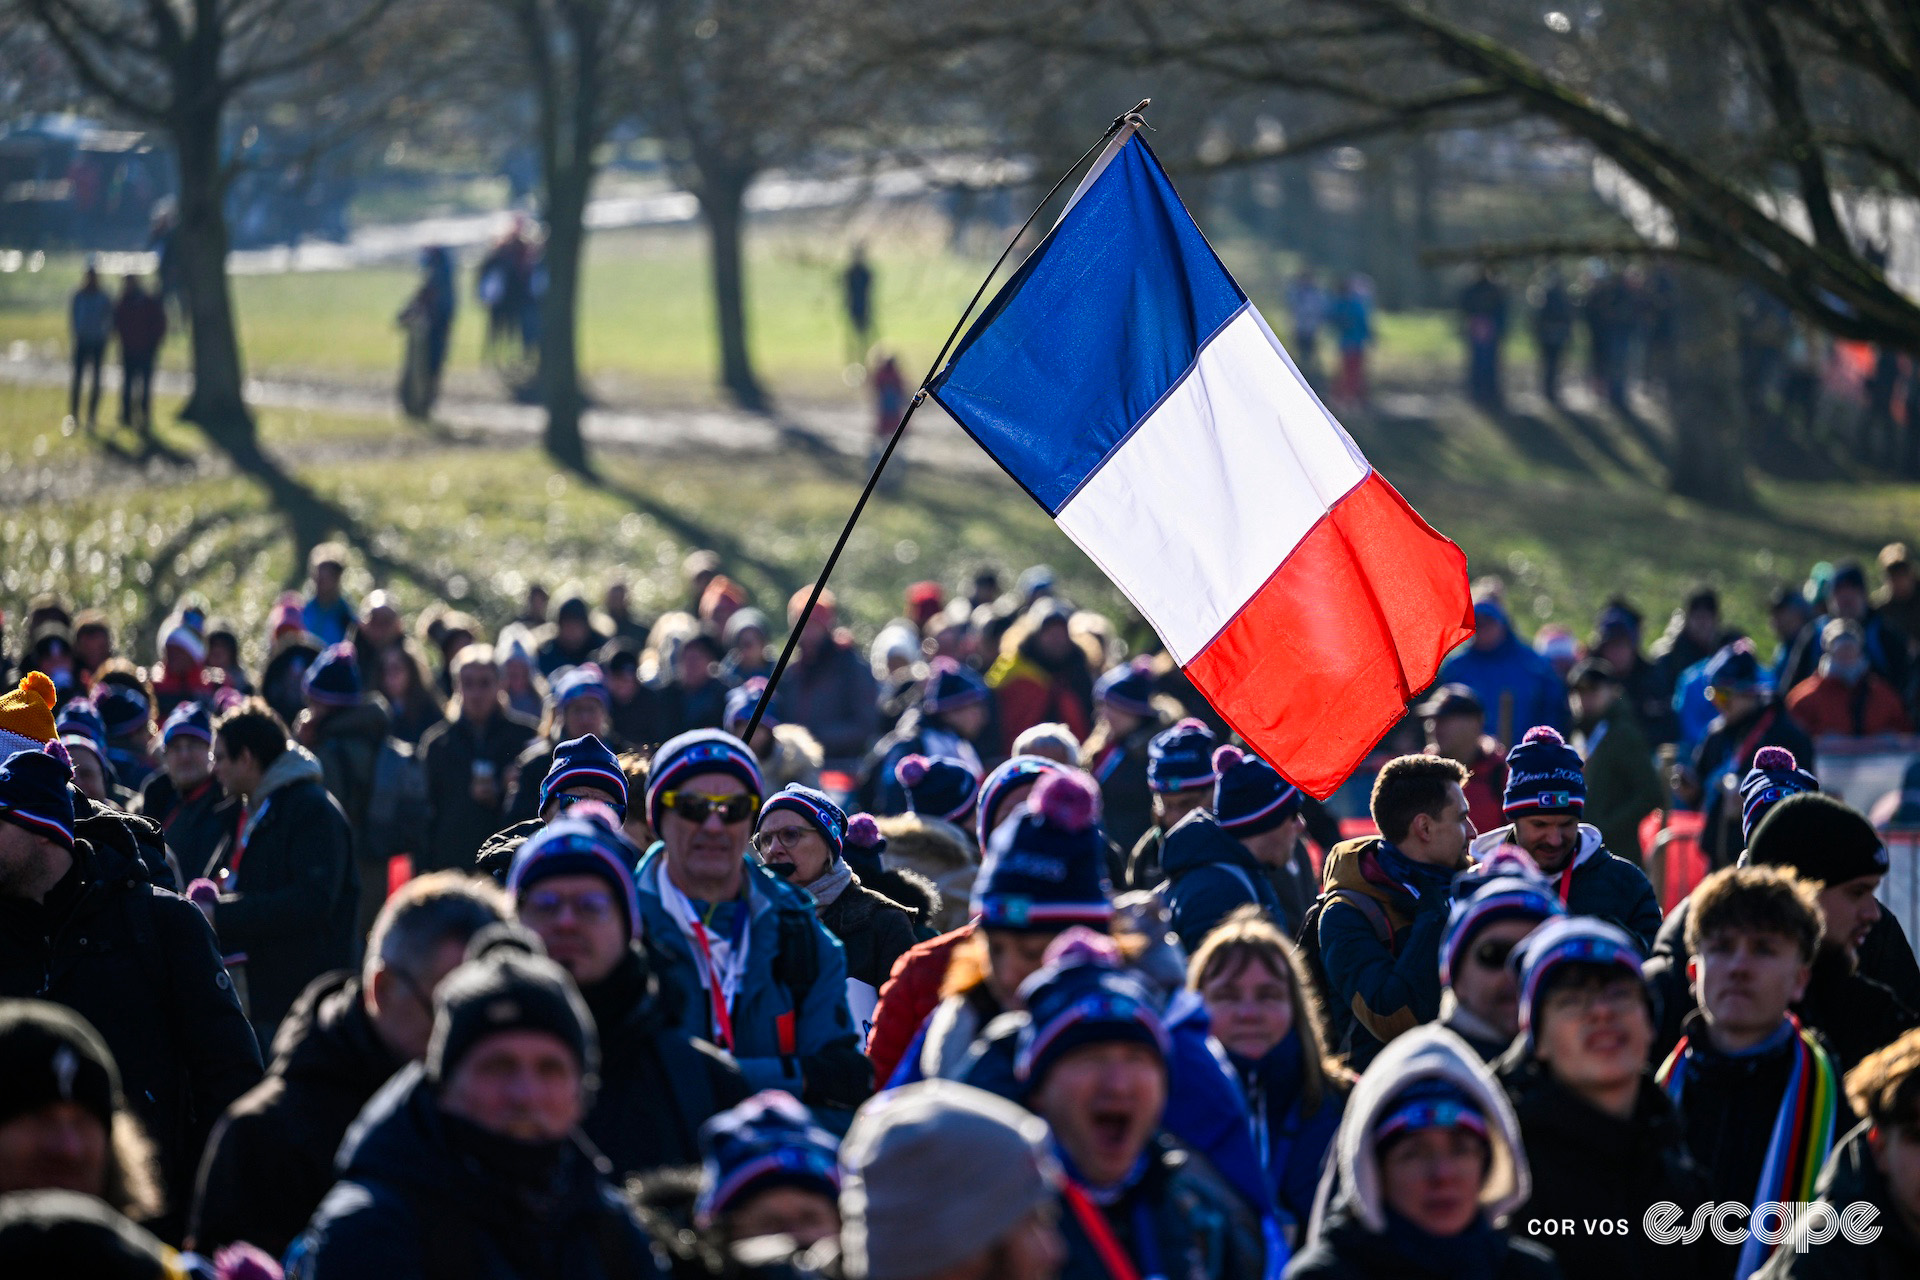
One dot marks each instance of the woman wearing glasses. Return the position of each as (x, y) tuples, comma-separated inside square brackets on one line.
[(754, 970)]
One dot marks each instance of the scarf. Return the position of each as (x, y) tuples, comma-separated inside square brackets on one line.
[(832, 883), (1803, 1128), (529, 1171), (1272, 1085), (1417, 878)]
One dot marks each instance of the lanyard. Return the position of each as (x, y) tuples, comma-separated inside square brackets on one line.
[(717, 983), (1566, 883), (247, 827), (1112, 1256)]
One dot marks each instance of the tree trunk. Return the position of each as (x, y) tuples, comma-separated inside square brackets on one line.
[(1705, 405), (217, 405), (566, 208), (722, 206)]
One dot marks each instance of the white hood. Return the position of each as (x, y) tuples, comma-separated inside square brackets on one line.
[(1426, 1052), (1483, 845)]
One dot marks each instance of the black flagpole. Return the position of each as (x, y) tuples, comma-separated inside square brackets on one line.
[(873, 479)]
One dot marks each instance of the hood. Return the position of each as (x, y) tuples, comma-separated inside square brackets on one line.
[(1483, 845), (1352, 864), (1198, 840), (927, 845), (328, 1036), (296, 764), (1426, 1052)]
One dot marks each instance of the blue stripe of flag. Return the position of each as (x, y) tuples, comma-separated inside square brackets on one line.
[(1098, 324)]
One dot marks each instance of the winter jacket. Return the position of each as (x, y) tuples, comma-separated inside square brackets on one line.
[(192, 825), (424, 1196), (1389, 985), (1293, 1140), (1825, 704), (330, 622), (280, 682), (1851, 1176), (1143, 862), (141, 965), (791, 1026), (270, 1160), (1029, 691), (910, 996), (1622, 785), (347, 744), (496, 854), (1210, 875), (292, 892), (1354, 1236), (140, 320), (1480, 1035), (449, 750), (91, 314), (135, 835), (1200, 1226), (1886, 958), (1510, 671), (1126, 802), (874, 930), (940, 852), (658, 1085), (1856, 1014), (1587, 1163), (879, 791), (834, 695), (1597, 883)]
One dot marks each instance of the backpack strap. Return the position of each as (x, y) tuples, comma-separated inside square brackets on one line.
[(1370, 908)]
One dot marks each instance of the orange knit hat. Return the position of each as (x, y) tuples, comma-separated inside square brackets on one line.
[(26, 715)]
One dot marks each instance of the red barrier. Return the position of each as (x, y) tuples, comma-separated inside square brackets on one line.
[(1675, 861)]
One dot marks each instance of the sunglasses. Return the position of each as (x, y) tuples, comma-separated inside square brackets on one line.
[(1492, 954), (732, 809), (784, 837)]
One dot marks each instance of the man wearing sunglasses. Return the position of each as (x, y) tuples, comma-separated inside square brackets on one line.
[(571, 883), (1495, 906), (754, 970)]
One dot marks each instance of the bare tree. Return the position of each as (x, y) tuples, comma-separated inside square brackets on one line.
[(180, 68)]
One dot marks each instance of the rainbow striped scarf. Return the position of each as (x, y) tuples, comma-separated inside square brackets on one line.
[(1803, 1130)]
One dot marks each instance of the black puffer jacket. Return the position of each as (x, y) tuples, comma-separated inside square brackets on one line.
[(270, 1161), (496, 854), (291, 907), (141, 965), (423, 1196), (447, 754), (874, 929), (657, 1085), (1851, 1176)]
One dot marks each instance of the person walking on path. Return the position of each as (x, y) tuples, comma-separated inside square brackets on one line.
[(91, 318)]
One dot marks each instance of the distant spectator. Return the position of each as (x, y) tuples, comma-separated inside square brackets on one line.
[(1693, 635), (412, 699), (91, 321), (1042, 675), (1622, 786), (574, 640), (141, 323), (327, 614), (746, 636), (1846, 697), (1750, 719), (1483, 321), (466, 758), (1883, 644), (184, 797), (1351, 315), (1514, 684), (694, 697), (636, 705), (1456, 729), (1898, 599), (828, 687), (1796, 656), (617, 608)]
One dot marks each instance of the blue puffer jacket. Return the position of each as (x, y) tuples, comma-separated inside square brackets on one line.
[(1539, 695), (1209, 876), (792, 1029), (411, 1205), (1293, 1141)]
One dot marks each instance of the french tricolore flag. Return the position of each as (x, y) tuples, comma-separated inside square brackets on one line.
[(1124, 380)]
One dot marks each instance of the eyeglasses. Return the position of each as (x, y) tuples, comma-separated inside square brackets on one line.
[(785, 837), (1492, 954), (732, 809), (1615, 997), (591, 907)]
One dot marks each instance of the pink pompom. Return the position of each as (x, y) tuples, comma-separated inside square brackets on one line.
[(1081, 945), (1190, 724), (243, 1261), (203, 890), (910, 770), (1771, 758), (1224, 758), (862, 831), (58, 750), (1545, 733), (1067, 799)]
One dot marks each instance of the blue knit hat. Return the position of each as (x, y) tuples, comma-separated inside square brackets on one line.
[(579, 846), (1128, 687), (1046, 867), (1775, 776), (1569, 940), (1009, 773), (34, 794), (826, 817), (1521, 896), (1080, 1002), (334, 678), (585, 762), (696, 752), (768, 1141), (189, 720), (740, 704), (81, 719), (1181, 758), (1249, 795), (1428, 1103), (1734, 669), (123, 710), (951, 685), (1544, 775), (943, 787), (583, 681)]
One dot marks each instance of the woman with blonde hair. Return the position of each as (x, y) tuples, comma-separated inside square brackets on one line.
[(1264, 1014)]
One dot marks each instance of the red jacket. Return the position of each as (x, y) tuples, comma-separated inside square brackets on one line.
[(912, 992), (141, 322), (1823, 704)]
